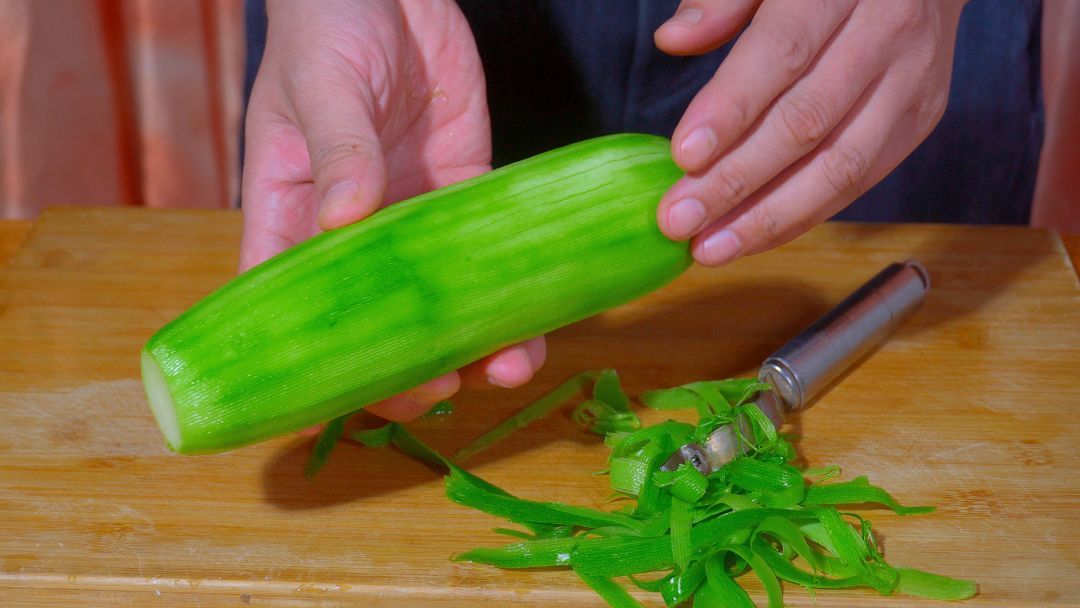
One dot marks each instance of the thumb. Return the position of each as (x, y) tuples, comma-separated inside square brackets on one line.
[(346, 156), (700, 26)]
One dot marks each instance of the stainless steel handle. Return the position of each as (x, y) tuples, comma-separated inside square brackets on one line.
[(814, 358)]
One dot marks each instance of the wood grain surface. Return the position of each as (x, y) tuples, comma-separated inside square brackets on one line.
[(12, 235), (1072, 247), (971, 406)]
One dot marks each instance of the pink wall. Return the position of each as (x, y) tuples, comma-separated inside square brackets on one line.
[(1057, 191), (110, 102), (137, 102)]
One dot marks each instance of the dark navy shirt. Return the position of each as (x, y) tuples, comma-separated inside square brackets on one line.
[(562, 70)]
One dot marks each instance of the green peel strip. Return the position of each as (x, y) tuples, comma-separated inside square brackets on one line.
[(613, 593), (935, 586), (681, 519), (534, 411), (858, 491), (685, 483), (324, 445), (442, 408), (697, 532)]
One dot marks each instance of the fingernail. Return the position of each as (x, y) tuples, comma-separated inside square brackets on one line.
[(537, 351), (688, 15), (720, 248), (685, 218), (337, 198), (493, 381), (697, 148)]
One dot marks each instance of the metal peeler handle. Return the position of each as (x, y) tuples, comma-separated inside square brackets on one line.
[(811, 360), (804, 366)]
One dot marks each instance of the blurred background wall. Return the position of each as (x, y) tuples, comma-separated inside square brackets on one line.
[(119, 102), (138, 102)]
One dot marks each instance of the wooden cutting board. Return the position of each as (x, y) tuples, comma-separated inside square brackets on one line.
[(12, 234), (971, 406)]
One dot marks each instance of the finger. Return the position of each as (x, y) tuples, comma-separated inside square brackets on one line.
[(335, 113), (277, 197), (781, 42), (795, 124), (415, 402), (277, 222), (510, 367), (854, 158), (700, 26)]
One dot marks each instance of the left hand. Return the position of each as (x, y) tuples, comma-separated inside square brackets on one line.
[(818, 101), (357, 104)]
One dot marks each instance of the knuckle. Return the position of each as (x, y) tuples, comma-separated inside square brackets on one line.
[(740, 110), (931, 108), (329, 154), (797, 227), (743, 113), (807, 117), (729, 186), (791, 46), (303, 75), (775, 226), (909, 17), (770, 228), (845, 170)]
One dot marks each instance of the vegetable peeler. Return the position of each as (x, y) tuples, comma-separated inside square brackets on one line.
[(802, 368)]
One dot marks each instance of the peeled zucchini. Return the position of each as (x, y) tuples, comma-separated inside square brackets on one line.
[(421, 288)]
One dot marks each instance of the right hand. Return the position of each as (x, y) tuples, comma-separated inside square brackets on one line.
[(358, 104), (815, 103)]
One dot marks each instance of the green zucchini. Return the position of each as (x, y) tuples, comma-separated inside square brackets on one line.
[(421, 288)]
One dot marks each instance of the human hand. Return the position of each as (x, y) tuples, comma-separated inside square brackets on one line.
[(358, 104), (816, 102)]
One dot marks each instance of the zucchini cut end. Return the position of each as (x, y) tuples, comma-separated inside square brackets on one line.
[(161, 401)]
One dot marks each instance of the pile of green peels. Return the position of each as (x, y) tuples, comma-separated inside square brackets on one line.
[(684, 535)]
